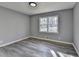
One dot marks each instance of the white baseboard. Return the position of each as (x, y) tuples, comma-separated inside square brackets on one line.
[(13, 42), (34, 37), (77, 51), (51, 40), (41, 39), (37, 38)]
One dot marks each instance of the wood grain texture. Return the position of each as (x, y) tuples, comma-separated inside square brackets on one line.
[(36, 48)]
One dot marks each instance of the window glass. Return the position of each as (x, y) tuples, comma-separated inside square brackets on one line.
[(43, 24), (53, 24), (49, 24)]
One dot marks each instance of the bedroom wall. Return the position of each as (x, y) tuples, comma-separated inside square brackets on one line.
[(65, 26), (76, 26), (13, 25)]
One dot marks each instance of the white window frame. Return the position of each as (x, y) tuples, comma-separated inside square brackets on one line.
[(47, 24)]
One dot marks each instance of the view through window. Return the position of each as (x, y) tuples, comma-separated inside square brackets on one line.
[(49, 24)]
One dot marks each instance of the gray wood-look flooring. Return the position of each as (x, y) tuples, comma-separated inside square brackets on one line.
[(36, 48)]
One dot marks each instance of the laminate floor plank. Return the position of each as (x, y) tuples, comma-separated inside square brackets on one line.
[(36, 48)]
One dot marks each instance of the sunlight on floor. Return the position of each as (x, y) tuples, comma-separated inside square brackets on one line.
[(53, 53), (64, 54), (60, 54)]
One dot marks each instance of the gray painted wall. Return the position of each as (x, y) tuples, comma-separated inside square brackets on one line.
[(65, 26), (13, 25), (76, 26)]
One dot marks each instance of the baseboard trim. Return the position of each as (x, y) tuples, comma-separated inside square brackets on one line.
[(77, 51), (13, 42), (56, 42), (59, 42), (42, 39), (37, 38), (51, 40)]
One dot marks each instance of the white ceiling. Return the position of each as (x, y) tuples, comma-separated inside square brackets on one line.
[(42, 7)]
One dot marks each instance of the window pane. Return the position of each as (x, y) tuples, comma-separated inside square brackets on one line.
[(43, 20), (53, 24), (43, 24)]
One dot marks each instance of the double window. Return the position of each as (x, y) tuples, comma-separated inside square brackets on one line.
[(48, 24)]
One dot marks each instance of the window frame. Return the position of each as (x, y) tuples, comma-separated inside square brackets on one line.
[(47, 25)]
